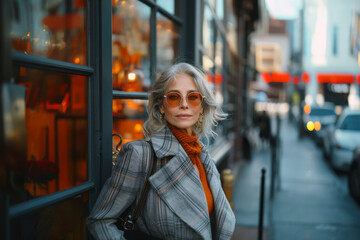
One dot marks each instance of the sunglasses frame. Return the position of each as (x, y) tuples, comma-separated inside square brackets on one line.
[(202, 99)]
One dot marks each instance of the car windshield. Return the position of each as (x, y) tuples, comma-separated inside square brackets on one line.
[(322, 112), (351, 123)]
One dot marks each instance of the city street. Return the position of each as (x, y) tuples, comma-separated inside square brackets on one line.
[(311, 201), (83, 83)]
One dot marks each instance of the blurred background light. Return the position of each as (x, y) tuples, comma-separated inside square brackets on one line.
[(317, 126), (310, 125)]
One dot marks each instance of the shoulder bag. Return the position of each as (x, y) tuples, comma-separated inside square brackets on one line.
[(126, 222)]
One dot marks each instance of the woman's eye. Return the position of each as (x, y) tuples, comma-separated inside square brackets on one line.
[(173, 97), (193, 97)]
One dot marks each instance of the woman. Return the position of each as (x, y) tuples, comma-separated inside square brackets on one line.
[(185, 200)]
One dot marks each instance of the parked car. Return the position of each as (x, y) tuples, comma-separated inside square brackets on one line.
[(316, 118), (354, 176), (341, 139)]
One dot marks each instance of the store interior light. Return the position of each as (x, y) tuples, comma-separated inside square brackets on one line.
[(131, 77), (138, 128), (77, 60)]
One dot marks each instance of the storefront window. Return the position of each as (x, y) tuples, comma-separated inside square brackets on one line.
[(56, 133), (168, 5), (208, 36), (51, 29), (213, 3), (131, 46), (219, 52), (128, 119), (207, 63), (220, 9), (167, 42), (65, 220), (231, 26)]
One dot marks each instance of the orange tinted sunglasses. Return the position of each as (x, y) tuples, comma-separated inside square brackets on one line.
[(174, 99)]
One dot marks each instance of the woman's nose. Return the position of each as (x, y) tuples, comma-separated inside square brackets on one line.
[(184, 103)]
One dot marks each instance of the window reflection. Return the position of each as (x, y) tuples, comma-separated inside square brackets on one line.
[(219, 52), (168, 5), (230, 23), (52, 29), (207, 63), (220, 9), (167, 42), (65, 220), (213, 3), (130, 46), (56, 133), (128, 119), (219, 55), (208, 36)]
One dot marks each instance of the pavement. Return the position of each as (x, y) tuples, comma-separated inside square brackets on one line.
[(310, 201), (246, 195)]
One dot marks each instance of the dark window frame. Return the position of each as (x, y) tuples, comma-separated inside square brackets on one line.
[(56, 66)]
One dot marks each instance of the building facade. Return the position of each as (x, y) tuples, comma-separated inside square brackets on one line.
[(331, 50)]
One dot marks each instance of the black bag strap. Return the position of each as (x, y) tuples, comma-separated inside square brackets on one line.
[(127, 221), (146, 187)]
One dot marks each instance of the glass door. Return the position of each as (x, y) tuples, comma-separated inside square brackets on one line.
[(45, 112)]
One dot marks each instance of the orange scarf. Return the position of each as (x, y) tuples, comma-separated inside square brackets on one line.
[(192, 148)]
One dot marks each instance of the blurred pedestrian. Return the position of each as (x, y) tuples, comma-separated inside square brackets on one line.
[(185, 200), (265, 128)]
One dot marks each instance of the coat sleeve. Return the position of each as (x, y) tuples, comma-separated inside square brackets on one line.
[(117, 194)]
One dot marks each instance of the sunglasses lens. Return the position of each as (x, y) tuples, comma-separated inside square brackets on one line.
[(194, 99), (173, 99)]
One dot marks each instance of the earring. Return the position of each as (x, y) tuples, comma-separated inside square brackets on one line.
[(199, 122), (201, 118), (162, 116)]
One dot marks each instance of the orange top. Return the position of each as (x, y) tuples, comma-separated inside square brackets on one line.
[(192, 147)]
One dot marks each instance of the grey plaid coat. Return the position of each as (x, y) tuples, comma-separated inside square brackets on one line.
[(176, 206)]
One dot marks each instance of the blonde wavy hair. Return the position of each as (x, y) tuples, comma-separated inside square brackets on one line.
[(211, 110)]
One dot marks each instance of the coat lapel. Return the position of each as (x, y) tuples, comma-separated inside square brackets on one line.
[(224, 215), (178, 184)]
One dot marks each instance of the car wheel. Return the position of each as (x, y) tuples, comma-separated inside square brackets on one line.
[(354, 182)]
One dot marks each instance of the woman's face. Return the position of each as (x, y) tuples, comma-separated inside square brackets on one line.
[(185, 115)]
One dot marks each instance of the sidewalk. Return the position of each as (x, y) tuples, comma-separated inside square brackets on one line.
[(311, 203), (246, 195)]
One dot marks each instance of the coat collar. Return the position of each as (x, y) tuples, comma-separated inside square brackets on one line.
[(165, 143)]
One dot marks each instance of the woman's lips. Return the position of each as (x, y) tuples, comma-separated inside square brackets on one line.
[(183, 116)]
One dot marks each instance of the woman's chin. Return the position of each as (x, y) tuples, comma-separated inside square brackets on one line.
[(182, 125)]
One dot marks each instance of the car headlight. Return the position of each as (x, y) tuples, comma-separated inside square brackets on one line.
[(310, 126)]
